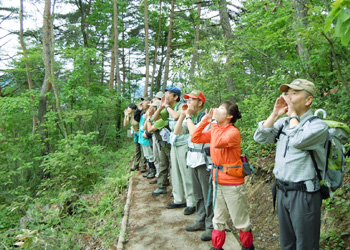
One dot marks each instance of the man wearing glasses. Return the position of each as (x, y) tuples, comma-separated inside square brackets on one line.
[(198, 160)]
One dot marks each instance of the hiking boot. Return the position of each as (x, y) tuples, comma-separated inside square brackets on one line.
[(154, 181), (197, 226), (248, 248), (142, 170), (134, 168), (206, 236), (174, 205), (151, 174), (189, 210), (146, 173), (159, 191)]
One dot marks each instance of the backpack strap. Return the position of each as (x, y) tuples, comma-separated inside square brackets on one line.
[(216, 186), (199, 117), (274, 187), (315, 165)]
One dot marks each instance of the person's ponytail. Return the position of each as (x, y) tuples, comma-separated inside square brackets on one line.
[(232, 109)]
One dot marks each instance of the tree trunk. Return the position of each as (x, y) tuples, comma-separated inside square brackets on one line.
[(145, 93), (111, 75), (124, 63), (103, 61), (46, 87), (168, 50), (226, 27), (156, 48), (115, 47), (29, 75), (195, 45), (85, 12), (160, 70), (49, 61), (301, 24), (83, 24)]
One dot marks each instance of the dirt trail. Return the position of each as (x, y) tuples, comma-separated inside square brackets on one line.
[(152, 226)]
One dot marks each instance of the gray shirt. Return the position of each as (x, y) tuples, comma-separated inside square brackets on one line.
[(293, 162)]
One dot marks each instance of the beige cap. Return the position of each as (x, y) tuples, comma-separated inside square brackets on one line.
[(156, 103), (299, 84), (159, 94)]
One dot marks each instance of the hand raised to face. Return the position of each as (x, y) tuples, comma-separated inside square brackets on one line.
[(190, 110), (163, 101), (209, 115), (281, 106), (184, 109)]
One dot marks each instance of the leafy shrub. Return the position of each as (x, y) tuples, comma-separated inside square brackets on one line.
[(76, 164)]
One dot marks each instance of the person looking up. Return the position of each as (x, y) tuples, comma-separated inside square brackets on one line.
[(298, 196), (143, 139), (191, 115), (169, 109), (229, 198), (161, 133), (138, 155)]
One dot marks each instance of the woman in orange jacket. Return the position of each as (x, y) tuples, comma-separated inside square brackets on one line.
[(228, 179)]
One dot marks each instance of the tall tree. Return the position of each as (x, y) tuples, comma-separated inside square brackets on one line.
[(48, 49), (168, 50), (156, 48), (47, 85), (115, 47), (24, 49), (227, 29), (111, 75), (300, 18), (195, 44), (145, 93)]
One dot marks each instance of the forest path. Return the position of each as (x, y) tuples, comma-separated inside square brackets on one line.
[(152, 226)]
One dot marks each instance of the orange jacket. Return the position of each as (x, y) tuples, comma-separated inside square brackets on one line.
[(225, 148)]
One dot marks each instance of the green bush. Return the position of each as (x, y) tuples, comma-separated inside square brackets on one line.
[(77, 164)]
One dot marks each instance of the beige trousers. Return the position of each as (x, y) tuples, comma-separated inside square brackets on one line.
[(181, 176), (230, 202)]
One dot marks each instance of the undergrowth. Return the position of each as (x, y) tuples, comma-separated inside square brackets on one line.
[(63, 215)]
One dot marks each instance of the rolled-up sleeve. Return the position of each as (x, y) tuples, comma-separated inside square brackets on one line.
[(265, 135), (309, 136)]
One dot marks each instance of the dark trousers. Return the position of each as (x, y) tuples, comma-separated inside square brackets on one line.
[(299, 216), (164, 166), (200, 181)]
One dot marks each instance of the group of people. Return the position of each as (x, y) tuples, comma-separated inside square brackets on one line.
[(199, 153)]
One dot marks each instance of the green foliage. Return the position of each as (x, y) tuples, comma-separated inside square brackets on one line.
[(75, 165), (334, 240), (69, 196), (341, 13), (67, 217)]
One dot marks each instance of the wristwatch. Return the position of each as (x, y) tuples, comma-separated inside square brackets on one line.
[(188, 117), (296, 117), (167, 106), (149, 120), (214, 120)]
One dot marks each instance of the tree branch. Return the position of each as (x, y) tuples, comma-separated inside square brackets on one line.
[(337, 65)]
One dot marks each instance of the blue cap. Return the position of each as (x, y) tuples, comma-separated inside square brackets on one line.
[(175, 90)]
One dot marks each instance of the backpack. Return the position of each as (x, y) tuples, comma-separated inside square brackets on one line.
[(332, 177), (248, 169)]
